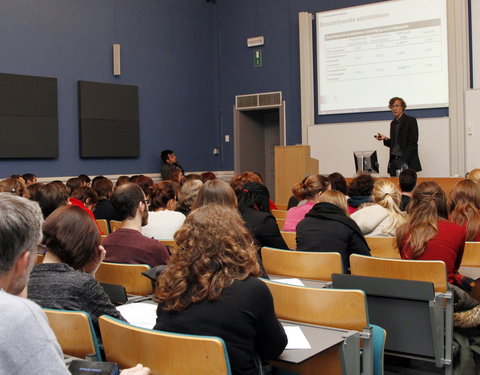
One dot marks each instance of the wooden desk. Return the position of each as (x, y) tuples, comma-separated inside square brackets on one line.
[(306, 282)]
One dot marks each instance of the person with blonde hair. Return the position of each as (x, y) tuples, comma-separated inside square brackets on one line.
[(474, 175), (464, 207), (327, 227), (187, 195), (382, 218), (216, 191), (311, 188), (210, 287), (428, 235)]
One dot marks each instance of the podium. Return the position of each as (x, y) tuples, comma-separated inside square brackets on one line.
[(292, 165)]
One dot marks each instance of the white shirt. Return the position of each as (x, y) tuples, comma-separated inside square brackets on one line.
[(163, 224)]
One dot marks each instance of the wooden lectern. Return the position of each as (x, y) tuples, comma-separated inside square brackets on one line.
[(292, 164)]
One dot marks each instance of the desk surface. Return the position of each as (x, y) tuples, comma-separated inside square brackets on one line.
[(473, 272), (306, 282), (319, 338)]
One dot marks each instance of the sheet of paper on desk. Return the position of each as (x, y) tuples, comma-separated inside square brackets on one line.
[(139, 314), (290, 281), (296, 338)]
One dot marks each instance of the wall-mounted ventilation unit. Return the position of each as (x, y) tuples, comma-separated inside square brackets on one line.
[(262, 100)]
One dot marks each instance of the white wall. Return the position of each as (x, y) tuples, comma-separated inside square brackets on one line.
[(472, 129), (333, 145)]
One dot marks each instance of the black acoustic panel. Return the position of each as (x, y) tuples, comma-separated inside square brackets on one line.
[(108, 101), (109, 138), (28, 137), (29, 96)]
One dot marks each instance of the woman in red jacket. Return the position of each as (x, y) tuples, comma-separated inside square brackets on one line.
[(464, 207)]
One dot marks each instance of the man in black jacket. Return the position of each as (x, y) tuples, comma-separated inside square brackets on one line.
[(403, 140)]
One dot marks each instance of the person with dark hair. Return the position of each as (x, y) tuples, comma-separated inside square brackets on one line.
[(85, 179), (238, 181), (327, 227), (360, 191), (407, 180), (29, 179), (66, 278), (216, 191), (464, 207), (128, 244), (143, 181), (403, 140), (211, 288), (122, 180), (169, 163), (74, 183), (104, 209), (338, 182), (51, 196), (310, 189), (96, 178), (163, 220), (33, 189), (207, 176), (13, 186), (86, 198), (428, 235), (253, 204)]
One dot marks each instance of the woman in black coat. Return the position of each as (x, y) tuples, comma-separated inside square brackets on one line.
[(327, 228)]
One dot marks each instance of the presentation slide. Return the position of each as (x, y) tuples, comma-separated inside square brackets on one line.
[(370, 53)]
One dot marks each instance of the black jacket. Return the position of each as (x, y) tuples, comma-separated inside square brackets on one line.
[(264, 228), (407, 140), (326, 228)]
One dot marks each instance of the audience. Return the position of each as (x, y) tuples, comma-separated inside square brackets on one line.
[(143, 181), (188, 194), (464, 207), (253, 203), (163, 220), (122, 180), (310, 189), (239, 180), (104, 209), (382, 218), (66, 278), (360, 191), (74, 183), (474, 175), (13, 186), (207, 176), (128, 244), (29, 179), (216, 191), (86, 198), (428, 235), (407, 180), (337, 182), (169, 160), (210, 288), (85, 179), (327, 227), (51, 196), (32, 190)]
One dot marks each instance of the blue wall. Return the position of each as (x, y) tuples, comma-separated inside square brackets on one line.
[(188, 57)]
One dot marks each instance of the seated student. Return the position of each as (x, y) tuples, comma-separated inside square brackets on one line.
[(474, 175), (311, 188), (29, 179), (382, 218), (86, 198), (360, 191), (464, 207), (104, 209), (216, 191), (428, 235), (327, 228), (66, 277), (128, 244), (32, 191), (74, 183), (13, 186), (337, 182), (407, 180), (188, 194), (163, 220), (253, 203), (143, 181), (239, 180), (51, 196), (210, 288)]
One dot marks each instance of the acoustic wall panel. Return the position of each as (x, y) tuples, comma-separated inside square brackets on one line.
[(28, 117), (109, 121)]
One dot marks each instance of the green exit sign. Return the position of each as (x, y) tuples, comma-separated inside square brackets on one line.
[(257, 58)]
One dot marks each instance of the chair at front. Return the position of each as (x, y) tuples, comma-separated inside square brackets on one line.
[(290, 239), (164, 352), (103, 226), (342, 309), (115, 224), (301, 264), (383, 247), (74, 332), (128, 275)]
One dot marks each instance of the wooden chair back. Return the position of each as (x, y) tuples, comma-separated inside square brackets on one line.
[(279, 214), (280, 223), (40, 258), (74, 332), (128, 275), (419, 270), (282, 206), (103, 226), (301, 264), (383, 247), (163, 352), (471, 255), (171, 245), (290, 239), (115, 224)]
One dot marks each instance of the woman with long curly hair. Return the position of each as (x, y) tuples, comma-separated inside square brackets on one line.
[(464, 207), (382, 218), (428, 235), (210, 288)]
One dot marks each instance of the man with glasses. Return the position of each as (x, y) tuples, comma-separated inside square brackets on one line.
[(128, 244), (403, 140)]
